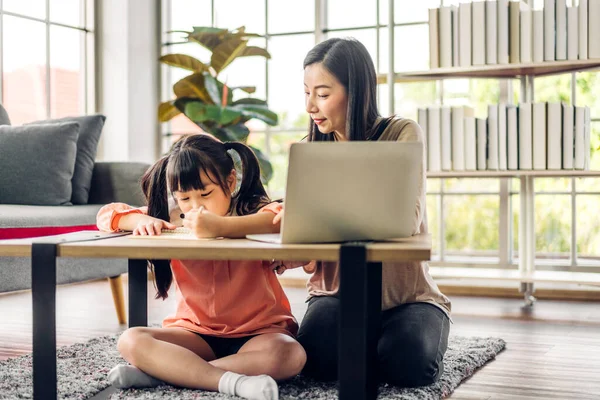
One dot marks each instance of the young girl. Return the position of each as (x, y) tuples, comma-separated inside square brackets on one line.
[(233, 330)]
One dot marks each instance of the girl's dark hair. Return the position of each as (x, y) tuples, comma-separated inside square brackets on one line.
[(180, 169), (349, 61)]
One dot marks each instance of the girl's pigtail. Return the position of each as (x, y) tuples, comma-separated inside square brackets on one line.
[(252, 195), (154, 187)]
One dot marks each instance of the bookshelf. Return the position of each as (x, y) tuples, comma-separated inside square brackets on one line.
[(526, 273)]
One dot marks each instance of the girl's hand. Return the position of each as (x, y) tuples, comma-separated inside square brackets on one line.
[(278, 218), (203, 223), (281, 266), (150, 226)]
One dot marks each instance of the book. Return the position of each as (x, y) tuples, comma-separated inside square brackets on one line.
[(525, 138), (512, 137), (491, 32), (593, 29), (572, 33), (433, 140), (478, 32), (464, 34), (561, 29), (549, 30), (568, 120), (434, 48), (537, 42), (481, 131), (502, 138), (445, 35), (583, 29), (492, 137), (526, 34), (554, 135), (514, 32), (455, 40), (446, 138), (502, 31), (470, 143), (458, 139), (587, 142), (538, 118), (579, 158)]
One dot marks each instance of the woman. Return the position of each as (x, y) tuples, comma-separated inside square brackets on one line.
[(340, 90)]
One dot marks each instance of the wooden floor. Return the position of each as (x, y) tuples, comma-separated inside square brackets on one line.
[(553, 350)]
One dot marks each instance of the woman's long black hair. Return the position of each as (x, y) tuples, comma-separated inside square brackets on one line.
[(349, 61), (180, 169)]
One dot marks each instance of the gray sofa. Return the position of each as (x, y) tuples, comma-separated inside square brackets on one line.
[(110, 182)]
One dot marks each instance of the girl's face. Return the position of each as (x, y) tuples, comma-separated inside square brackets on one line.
[(213, 198), (326, 100)]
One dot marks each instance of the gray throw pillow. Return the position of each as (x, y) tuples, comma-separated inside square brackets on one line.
[(37, 163), (4, 120), (90, 128)]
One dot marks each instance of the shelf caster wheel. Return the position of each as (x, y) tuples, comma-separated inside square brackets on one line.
[(529, 300)]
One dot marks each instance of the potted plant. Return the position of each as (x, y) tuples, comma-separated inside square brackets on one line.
[(208, 102)]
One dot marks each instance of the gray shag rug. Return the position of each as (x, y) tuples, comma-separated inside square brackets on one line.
[(83, 369)]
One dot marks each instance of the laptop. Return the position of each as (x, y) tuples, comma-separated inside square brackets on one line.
[(349, 191)]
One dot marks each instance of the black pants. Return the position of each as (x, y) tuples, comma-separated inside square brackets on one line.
[(411, 346)]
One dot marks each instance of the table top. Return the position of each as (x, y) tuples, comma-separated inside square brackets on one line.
[(102, 245)]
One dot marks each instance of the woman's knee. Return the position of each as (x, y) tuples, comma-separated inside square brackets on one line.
[(408, 364)]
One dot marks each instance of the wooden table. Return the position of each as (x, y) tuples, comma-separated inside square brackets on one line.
[(360, 289)]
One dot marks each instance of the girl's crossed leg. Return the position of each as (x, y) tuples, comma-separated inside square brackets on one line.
[(183, 358)]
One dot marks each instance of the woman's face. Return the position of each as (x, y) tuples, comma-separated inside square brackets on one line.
[(326, 100)]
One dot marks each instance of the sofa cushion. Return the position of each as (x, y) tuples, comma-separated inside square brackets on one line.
[(4, 120), (18, 221), (90, 128), (37, 163)]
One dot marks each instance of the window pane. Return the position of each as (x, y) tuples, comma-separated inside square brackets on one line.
[(232, 14), (472, 185), (368, 37), (280, 151), (433, 185), (67, 76), (303, 13), (552, 184), (411, 48), (410, 96), (588, 92), (407, 11), (68, 12), (555, 88), (247, 71), (31, 8), (351, 13), (515, 205), (186, 14), (472, 224), (286, 78), (588, 229), (24, 72), (587, 184), (552, 226), (595, 145), (432, 223)]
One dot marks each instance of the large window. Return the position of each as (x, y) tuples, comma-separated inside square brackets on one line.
[(47, 59), (472, 221)]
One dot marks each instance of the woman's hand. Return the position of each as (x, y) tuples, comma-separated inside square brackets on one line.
[(150, 226), (203, 223), (281, 266)]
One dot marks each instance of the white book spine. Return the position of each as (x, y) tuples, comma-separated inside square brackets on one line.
[(455, 39), (445, 24), (525, 136), (478, 32), (422, 121), (502, 31), (526, 35), (502, 138), (549, 30), (593, 29), (583, 29), (537, 44), (554, 128), (491, 32), (572, 33), (587, 143), (434, 44), (539, 135), (514, 32), (433, 139), (492, 156), (458, 139), (446, 135), (513, 138), (579, 159), (464, 34), (568, 119), (561, 29), (470, 144), (481, 143)]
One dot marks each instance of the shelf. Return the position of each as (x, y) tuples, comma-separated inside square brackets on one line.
[(514, 174), (513, 275), (495, 71)]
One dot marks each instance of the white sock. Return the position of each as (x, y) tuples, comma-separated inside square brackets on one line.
[(127, 376), (261, 387)]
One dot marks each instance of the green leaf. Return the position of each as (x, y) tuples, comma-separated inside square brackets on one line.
[(250, 100), (192, 86), (207, 37), (166, 111), (254, 51), (184, 61), (199, 112), (266, 169), (226, 52), (247, 89), (228, 115), (212, 87), (259, 112), (238, 132)]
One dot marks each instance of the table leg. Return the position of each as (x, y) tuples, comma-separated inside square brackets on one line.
[(43, 292), (138, 293), (360, 310)]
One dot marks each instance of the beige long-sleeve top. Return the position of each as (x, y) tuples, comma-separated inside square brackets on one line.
[(402, 282)]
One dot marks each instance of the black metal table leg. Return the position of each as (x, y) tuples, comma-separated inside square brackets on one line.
[(43, 292), (360, 309), (138, 293)]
